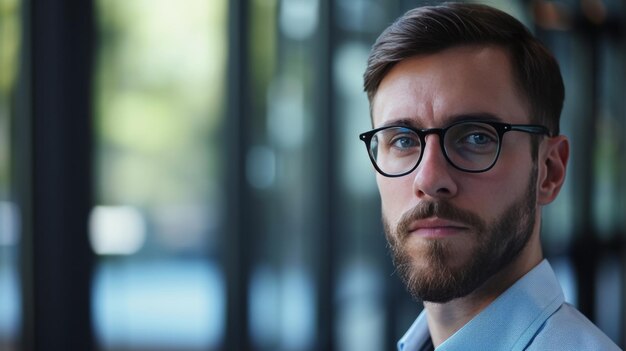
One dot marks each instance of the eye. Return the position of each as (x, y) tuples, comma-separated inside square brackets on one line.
[(405, 141), (472, 137), (472, 134), (478, 138)]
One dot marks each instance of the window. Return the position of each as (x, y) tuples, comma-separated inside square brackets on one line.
[(10, 297), (159, 93)]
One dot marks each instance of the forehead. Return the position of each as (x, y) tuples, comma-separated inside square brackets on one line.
[(432, 90)]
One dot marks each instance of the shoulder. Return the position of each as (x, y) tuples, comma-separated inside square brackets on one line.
[(568, 329)]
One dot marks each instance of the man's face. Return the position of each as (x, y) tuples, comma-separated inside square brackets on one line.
[(449, 230)]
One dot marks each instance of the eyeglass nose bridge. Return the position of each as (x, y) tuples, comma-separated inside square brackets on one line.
[(422, 134)]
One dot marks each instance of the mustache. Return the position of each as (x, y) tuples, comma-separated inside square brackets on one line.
[(439, 209)]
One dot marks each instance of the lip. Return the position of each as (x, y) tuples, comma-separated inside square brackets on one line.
[(436, 228)]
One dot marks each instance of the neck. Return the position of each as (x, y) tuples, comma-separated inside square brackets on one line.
[(445, 319)]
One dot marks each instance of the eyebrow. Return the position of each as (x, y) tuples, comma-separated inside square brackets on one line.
[(401, 122), (465, 117)]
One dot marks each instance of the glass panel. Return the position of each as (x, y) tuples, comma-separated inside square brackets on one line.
[(364, 318), (361, 310), (159, 92), (10, 301), (609, 124), (283, 172), (609, 292)]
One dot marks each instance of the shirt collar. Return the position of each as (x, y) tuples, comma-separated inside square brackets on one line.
[(416, 336), (510, 321)]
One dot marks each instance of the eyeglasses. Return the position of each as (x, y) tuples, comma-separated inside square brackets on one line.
[(469, 146)]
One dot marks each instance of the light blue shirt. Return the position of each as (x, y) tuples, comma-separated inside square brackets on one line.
[(531, 315)]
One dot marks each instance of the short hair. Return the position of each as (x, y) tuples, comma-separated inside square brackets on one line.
[(431, 29)]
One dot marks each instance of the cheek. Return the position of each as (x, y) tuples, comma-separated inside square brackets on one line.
[(395, 196), (489, 194)]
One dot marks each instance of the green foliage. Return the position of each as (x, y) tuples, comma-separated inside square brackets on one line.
[(10, 38), (160, 87)]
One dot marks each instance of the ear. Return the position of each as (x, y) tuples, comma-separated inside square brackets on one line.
[(553, 157)]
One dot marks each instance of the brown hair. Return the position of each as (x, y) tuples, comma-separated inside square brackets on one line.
[(430, 29)]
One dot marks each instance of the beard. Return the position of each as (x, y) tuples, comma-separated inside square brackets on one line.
[(497, 244)]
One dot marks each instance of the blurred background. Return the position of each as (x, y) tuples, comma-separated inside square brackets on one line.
[(187, 175)]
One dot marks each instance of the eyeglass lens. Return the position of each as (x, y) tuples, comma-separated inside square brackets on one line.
[(471, 146)]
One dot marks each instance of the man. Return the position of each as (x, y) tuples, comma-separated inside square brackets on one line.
[(466, 103)]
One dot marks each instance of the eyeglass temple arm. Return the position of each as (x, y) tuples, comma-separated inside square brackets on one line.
[(535, 129)]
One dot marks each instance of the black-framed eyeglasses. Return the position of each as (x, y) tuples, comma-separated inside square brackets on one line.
[(469, 146)]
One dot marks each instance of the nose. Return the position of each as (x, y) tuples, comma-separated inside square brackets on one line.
[(432, 177)]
